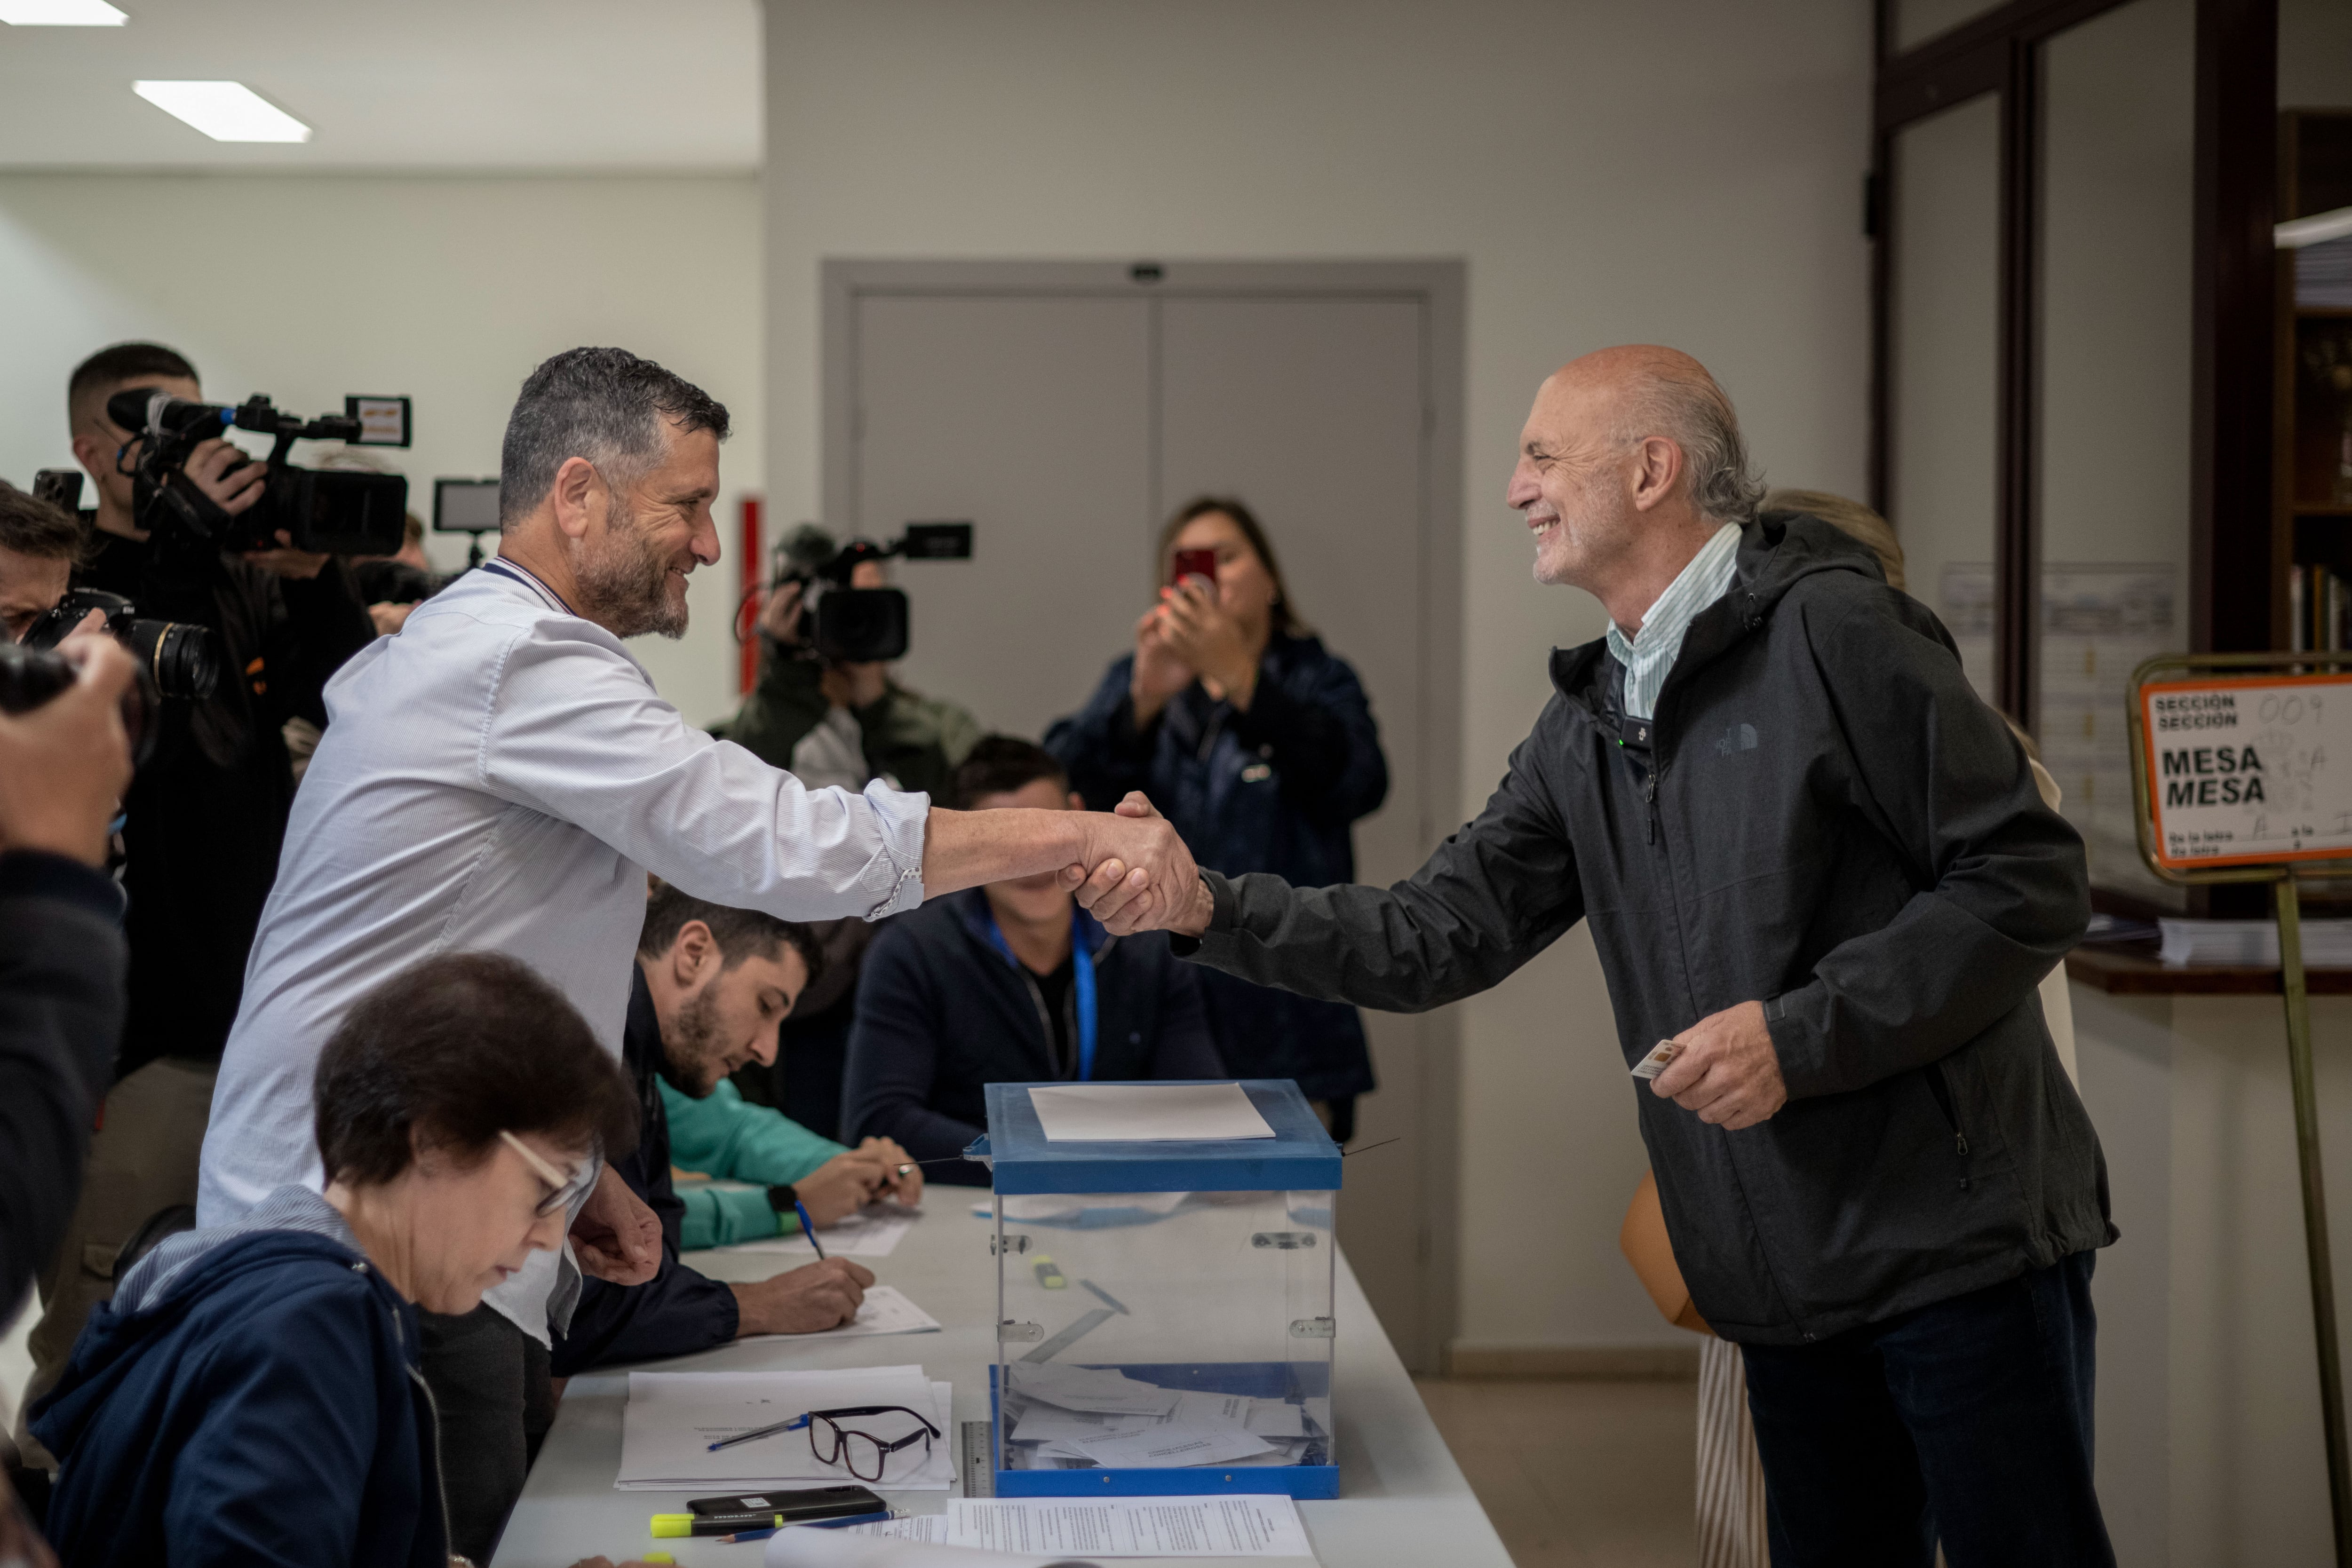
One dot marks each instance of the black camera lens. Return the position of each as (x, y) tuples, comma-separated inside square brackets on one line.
[(179, 656), (32, 676)]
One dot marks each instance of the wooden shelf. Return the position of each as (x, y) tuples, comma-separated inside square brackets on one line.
[(2131, 969)]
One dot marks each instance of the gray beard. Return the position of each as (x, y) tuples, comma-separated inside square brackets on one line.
[(625, 586)]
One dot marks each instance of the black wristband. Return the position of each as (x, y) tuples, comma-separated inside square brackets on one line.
[(782, 1198)]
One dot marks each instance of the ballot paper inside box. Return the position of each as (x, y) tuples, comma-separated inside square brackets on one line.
[(1164, 1303)]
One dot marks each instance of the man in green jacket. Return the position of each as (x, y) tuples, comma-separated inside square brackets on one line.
[(721, 980)]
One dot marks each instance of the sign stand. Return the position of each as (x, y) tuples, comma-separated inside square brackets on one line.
[(2231, 780)]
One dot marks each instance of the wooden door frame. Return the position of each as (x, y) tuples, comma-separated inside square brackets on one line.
[(2232, 592), (1440, 288)]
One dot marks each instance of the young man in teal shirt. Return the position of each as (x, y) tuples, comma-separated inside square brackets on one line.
[(721, 980)]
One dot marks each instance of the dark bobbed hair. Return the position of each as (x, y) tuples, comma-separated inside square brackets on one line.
[(1286, 619), (1000, 764), (452, 1051), (740, 933), (605, 404), (30, 526), (102, 375)]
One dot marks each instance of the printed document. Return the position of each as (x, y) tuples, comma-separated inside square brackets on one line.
[(1060, 1530)]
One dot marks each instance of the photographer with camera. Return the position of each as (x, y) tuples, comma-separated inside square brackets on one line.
[(65, 758), (206, 812), (829, 719)]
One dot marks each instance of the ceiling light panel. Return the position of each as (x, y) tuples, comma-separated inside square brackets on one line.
[(61, 14), (224, 110)]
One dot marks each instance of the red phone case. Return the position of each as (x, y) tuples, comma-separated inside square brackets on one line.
[(1192, 563)]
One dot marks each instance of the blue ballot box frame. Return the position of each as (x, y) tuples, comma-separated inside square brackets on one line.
[(1301, 1159)]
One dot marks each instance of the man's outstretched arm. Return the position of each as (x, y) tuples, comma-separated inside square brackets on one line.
[(1494, 895), (1135, 851)]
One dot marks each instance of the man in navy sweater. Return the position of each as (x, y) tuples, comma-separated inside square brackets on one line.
[(1008, 983)]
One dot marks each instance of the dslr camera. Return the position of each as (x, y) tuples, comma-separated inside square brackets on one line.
[(324, 511), (859, 625), (181, 660)]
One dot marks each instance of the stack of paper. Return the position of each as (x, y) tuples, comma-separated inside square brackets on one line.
[(1074, 1418), (2326, 943), (1063, 1529), (1146, 1112), (673, 1417)]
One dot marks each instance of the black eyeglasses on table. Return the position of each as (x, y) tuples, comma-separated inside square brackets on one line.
[(835, 1444)]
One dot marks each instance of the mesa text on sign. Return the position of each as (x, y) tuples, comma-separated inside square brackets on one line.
[(2239, 771)]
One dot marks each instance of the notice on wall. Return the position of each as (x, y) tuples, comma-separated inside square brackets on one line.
[(2249, 770)]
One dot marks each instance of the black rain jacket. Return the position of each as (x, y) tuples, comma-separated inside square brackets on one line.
[(1828, 821)]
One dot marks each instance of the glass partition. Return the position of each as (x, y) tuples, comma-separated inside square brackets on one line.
[(1944, 337), (2111, 459)]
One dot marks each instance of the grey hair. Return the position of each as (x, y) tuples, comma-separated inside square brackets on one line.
[(1691, 410), (603, 404)]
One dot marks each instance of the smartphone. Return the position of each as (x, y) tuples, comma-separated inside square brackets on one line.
[(797, 1507), (1200, 563), (60, 488)]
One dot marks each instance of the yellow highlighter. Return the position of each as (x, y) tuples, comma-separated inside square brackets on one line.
[(665, 1525)]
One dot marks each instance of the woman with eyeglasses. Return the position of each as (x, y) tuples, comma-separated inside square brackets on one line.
[(251, 1394)]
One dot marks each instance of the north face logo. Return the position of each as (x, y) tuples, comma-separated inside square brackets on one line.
[(1736, 738)]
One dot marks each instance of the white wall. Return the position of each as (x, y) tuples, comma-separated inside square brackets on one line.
[(447, 290), (1687, 173)]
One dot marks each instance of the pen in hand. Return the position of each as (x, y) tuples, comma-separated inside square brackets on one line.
[(808, 1228)]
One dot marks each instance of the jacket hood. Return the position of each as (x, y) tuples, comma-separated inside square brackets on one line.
[(1777, 551), (254, 1261)]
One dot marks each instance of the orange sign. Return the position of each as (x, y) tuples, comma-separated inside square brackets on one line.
[(2247, 770)]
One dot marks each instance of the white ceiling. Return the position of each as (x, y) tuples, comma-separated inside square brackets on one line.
[(399, 83)]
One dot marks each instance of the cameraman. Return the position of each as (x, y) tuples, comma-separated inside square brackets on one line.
[(203, 818), (831, 722)]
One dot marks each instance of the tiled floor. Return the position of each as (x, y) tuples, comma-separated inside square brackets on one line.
[(1576, 1475)]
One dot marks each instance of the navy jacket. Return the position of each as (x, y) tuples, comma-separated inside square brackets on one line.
[(1274, 790), (942, 1013), (61, 964), (679, 1311), (249, 1397)]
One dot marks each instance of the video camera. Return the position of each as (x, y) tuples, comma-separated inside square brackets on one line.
[(324, 511), (859, 625)]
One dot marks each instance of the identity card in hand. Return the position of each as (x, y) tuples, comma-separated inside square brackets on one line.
[(1661, 1055)]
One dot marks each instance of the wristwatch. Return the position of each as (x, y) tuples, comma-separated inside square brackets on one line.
[(782, 1198)]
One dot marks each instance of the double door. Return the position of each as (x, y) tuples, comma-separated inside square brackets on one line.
[(1067, 410)]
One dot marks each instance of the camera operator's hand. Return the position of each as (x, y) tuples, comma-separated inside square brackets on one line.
[(226, 474), (388, 618), (780, 617), (854, 686), (288, 561), (64, 765)]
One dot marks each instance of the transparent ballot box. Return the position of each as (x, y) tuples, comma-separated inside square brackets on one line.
[(1165, 1322)]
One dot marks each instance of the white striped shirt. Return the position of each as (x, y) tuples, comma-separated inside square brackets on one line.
[(1649, 652)]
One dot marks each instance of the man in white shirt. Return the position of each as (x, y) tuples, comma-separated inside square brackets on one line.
[(502, 775)]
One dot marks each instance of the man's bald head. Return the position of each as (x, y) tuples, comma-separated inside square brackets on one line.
[(1630, 458), (1635, 391)]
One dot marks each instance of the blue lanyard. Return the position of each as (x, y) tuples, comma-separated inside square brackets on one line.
[(1082, 967)]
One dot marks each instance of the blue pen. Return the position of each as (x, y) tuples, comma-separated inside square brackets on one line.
[(808, 1228)]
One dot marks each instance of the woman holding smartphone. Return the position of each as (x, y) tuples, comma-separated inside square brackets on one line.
[(1260, 745)]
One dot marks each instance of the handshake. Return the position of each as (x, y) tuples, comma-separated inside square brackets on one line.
[(1139, 875)]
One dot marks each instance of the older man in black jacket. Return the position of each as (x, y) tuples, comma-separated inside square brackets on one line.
[(1817, 865)]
